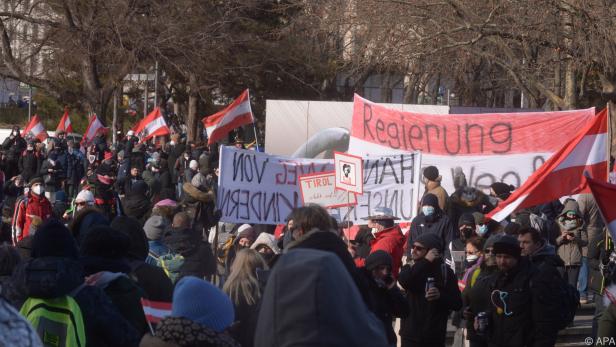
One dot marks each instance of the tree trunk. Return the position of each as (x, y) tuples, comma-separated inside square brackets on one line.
[(193, 99)]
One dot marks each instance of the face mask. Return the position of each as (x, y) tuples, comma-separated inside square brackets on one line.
[(570, 224), (427, 210), (30, 149), (38, 190), (172, 143), (374, 231), (472, 258), (154, 169), (186, 157), (481, 229)]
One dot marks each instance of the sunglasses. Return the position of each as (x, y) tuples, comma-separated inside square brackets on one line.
[(419, 248)]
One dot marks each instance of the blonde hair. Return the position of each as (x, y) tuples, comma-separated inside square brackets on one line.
[(242, 282)]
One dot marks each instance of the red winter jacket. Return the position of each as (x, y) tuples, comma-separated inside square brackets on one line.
[(37, 206), (391, 241)]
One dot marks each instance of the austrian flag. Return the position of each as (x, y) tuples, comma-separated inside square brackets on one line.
[(35, 129), (605, 195), (94, 128), (65, 123), (563, 173), (152, 125), (155, 311), (238, 113)]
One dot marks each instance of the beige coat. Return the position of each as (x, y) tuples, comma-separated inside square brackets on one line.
[(434, 187)]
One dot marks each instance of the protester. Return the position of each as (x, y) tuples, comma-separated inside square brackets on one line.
[(476, 291), (136, 203), (521, 314), (54, 271), (389, 303), (151, 278), (432, 181), (14, 145), (327, 308), (104, 257), (196, 254), (538, 250), (36, 206), (432, 293), (29, 163), (571, 240), (468, 200), (52, 173), (432, 220), (387, 236), (245, 237), (594, 228), (154, 229), (266, 246), (200, 315), (245, 290)]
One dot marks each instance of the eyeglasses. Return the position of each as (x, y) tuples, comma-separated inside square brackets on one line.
[(419, 248)]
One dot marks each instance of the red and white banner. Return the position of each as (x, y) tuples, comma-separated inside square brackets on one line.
[(35, 129), (494, 147), (605, 195), (152, 125), (65, 123), (563, 173), (238, 113), (155, 311), (93, 129)]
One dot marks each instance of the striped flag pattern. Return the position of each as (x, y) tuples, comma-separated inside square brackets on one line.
[(238, 113), (563, 173)]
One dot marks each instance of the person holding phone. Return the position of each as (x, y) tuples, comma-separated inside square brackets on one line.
[(389, 303), (431, 291), (573, 237)]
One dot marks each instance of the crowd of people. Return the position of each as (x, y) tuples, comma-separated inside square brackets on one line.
[(91, 233)]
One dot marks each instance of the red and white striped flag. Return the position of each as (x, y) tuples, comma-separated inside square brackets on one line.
[(93, 129), (65, 123), (155, 311), (35, 129), (152, 125), (605, 195), (238, 113), (563, 173)]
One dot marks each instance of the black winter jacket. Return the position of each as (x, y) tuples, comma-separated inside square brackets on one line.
[(427, 323), (104, 325), (531, 308), (199, 260)]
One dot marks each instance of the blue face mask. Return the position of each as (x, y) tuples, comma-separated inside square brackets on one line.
[(427, 210), (482, 230)]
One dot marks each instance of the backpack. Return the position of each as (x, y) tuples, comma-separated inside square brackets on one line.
[(171, 264), (568, 300), (57, 321)]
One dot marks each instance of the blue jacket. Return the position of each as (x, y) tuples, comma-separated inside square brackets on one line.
[(156, 248)]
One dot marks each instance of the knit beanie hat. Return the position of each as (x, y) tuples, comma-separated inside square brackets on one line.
[(479, 218), (105, 242), (132, 228), (246, 231), (203, 303), (378, 258), (53, 239), (85, 195), (491, 240), (502, 190), (430, 200), (466, 219), (507, 244), (429, 240), (431, 173), (155, 227)]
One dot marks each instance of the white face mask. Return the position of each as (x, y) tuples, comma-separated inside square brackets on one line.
[(374, 231), (472, 258), (38, 190), (427, 210), (172, 143)]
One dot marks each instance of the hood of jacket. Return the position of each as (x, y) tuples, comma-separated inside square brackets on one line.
[(316, 310), (467, 197), (184, 241), (546, 253), (48, 277), (571, 205), (198, 195)]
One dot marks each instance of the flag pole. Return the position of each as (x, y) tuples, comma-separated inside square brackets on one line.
[(609, 137), (254, 125)]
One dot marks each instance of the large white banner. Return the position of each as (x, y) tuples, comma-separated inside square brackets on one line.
[(261, 188), (497, 147)]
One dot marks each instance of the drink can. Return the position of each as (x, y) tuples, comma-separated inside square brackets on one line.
[(429, 283), (482, 323)]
